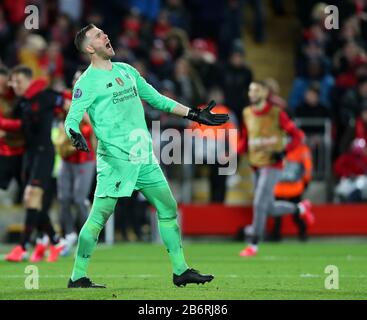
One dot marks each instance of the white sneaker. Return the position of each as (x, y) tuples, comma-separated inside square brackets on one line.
[(45, 240), (70, 241)]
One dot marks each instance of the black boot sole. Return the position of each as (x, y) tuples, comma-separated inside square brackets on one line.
[(180, 285)]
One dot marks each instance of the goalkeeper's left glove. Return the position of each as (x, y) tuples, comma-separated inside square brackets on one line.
[(204, 116), (78, 141)]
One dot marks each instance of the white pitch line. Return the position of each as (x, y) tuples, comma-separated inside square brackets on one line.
[(309, 275), (302, 275), (236, 258)]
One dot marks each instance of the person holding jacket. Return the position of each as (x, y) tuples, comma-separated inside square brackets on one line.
[(264, 128)]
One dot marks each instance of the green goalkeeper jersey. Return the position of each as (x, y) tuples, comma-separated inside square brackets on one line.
[(112, 100)]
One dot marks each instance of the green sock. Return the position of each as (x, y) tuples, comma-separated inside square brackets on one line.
[(101, 210), (162, 199), (170, 234)]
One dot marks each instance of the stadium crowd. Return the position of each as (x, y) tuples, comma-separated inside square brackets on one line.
[(187, 51), (191, 51), (183, 50), (331, 83)]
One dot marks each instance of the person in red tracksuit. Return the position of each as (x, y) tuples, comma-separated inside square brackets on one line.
[(265, 128), (38, 106), (11, 144)]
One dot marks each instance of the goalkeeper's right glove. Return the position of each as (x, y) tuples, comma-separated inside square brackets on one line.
[(204, 116), (78, 141)]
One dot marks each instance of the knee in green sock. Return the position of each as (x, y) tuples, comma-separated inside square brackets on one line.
[(101, 211), (170, 234), (167, 210), (89, 236), (166, 205)]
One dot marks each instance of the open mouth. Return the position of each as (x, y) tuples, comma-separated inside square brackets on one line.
[(108, 45)]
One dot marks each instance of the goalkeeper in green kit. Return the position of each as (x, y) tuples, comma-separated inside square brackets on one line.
[(111, 93)]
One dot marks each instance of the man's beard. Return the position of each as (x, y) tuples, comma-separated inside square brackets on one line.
[(105, 55)]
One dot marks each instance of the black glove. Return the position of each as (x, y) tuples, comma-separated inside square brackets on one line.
[(204, 116), (277, 156), (78, 141)]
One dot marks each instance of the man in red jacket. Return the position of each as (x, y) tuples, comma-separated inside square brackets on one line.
[(264, 130), (352, 163), (11, 144)]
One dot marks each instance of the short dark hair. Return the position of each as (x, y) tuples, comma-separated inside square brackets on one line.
[(23, 69), (80, 36), (4, 71)]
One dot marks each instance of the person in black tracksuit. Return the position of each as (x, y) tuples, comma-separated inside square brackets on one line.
[(37, 107)]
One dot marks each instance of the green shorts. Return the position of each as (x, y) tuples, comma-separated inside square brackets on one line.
[(119, 178)]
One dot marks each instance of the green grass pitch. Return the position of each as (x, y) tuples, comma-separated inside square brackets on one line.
[(287, 270)]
